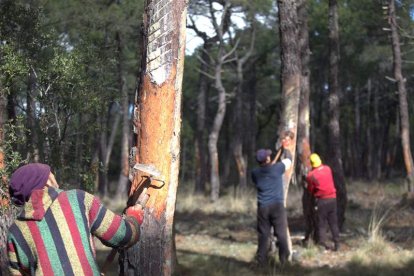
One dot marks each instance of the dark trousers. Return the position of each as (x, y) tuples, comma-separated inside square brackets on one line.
[(327, 216), (268, 216)]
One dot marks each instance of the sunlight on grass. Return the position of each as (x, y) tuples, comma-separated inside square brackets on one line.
[(239, 202), (310, 252), (376, 251)]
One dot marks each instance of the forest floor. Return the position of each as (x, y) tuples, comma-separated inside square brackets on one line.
[(221, 238)]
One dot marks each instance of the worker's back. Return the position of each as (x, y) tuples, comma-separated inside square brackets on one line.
[(53, 234), (269, 183)]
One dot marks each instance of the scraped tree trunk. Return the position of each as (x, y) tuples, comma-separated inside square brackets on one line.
[(290, 80), (157, 124), (402, 97), (121, 191), (303, 145), (334, 128)]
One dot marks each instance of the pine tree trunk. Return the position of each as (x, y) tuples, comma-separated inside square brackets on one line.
[(334, 128), (201, 141), (251, 118), (221, 99), (290, 80), (215, 132), (121, 191), (303, 145), (32, 137), (357, 151), (157, 135), (7, 216), (402, 97)]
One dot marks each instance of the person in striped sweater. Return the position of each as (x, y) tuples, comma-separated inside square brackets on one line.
[(53, 235)]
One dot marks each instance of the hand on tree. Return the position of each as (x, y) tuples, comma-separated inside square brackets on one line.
[(136, 212), (286, 142)]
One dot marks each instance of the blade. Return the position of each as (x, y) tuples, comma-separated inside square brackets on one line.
[(148, 168)]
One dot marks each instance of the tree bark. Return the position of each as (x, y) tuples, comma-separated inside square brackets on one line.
[(6, 218), (121, 191), (221, 109), (157, 135), (240, 117), (334, 128), (32, 136), (357, 150), (201, 141), (303, 145), (290, 80), (402, 97)]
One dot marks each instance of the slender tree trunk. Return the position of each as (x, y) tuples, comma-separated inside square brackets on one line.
[(103, 173), (290, 80), (221, 109), (11, 110), (357, 151), (215, 131), (334, 128), (369, 141), (303, 145), (121, 191), (251, 118), (377, 134), (402, 97), (201, 141), (32, 137), (157, 135), (240, 117)]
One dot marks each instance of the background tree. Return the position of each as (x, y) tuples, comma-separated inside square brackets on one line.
[(303, 145), (334, 108), (402, 96)]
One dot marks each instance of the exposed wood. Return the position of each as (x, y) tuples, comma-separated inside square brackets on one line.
[(290, 80), (303, 137), (157, 138)]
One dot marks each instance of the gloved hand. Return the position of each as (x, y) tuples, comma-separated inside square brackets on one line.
[(137, 212), (286, 142)]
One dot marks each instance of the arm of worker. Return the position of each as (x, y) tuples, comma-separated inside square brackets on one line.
[(112, 229), (18, 261), (311, 186), (286, 158)]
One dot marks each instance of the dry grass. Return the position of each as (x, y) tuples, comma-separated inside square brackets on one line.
[(219, 238), (239, 202), (223, 249)]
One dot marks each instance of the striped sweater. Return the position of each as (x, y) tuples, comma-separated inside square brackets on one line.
[(53, 233)]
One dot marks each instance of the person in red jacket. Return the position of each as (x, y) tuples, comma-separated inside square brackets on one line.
[(321, 185)]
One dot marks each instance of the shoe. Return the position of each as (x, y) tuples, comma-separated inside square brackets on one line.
[(336, 246)]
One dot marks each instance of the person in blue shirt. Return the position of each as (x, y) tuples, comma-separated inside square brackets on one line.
[(271, 212)]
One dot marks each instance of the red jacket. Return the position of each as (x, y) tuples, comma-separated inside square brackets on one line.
[(321, 183)]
